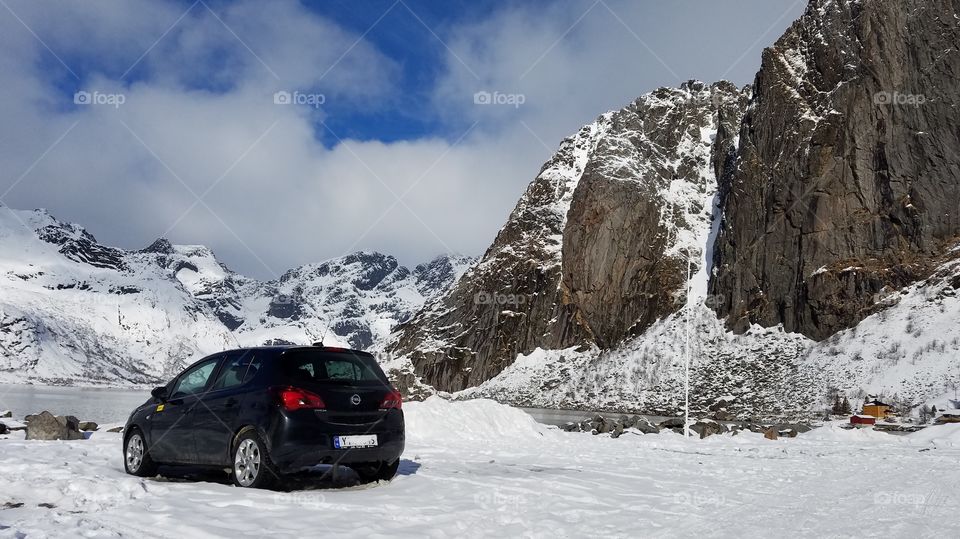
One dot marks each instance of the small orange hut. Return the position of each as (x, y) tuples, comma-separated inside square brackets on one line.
[(876, 409)]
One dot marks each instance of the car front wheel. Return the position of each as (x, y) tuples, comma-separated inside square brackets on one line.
[(136, 455), (252, 467)]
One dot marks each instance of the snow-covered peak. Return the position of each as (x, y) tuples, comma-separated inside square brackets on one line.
[(75, 311)]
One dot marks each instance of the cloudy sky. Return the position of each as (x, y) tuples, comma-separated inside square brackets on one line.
[(148, 118)]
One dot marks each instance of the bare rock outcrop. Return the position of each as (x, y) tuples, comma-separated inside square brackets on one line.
[(596, 248), (848, 172)]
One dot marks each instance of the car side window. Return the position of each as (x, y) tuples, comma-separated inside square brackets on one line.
[(238, 369), (194, 380)]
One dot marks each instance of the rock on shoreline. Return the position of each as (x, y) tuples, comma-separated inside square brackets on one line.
[(705, 427)]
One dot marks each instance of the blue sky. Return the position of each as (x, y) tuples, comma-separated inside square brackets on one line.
[(397, 158), (408, 41)]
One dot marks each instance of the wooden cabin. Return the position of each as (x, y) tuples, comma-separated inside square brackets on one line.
[(877, 409)]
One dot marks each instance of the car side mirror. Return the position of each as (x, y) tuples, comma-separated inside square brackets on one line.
[(159, 393)]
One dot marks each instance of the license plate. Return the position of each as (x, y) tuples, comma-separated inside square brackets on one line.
[(347, 442)]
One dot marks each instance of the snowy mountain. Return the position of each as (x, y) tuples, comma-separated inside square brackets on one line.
[(595, 249), (75, 311), (795, 238)]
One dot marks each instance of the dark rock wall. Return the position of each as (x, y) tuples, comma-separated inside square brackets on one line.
[(848, 174)]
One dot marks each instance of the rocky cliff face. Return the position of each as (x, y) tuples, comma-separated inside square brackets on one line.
[(847, 178), (595, 249), (510, 302), (643, 206)]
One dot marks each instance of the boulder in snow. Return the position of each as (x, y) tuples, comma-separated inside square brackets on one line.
[(6, 413), (708, 427), (645, 426), (89, 426), (723, 415), (46, 426), (672, 423)]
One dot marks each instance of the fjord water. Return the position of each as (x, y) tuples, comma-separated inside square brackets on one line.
[(103, 405)]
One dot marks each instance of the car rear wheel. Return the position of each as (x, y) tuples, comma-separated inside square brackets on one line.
[(252, 467), (377, 471), (136, 455)]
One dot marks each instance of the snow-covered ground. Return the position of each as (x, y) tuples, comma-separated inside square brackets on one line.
[(476, 468)]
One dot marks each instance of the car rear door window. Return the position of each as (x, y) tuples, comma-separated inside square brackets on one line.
[(238, 369)]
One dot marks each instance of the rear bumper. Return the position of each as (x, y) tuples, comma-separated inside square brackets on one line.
[(305, 438)]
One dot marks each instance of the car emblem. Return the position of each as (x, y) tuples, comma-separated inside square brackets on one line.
[(355, 400)]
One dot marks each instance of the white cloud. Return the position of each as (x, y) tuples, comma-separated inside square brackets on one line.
[(199, 100)]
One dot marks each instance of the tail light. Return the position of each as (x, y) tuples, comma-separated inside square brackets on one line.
[(292, 399), (393, 400)]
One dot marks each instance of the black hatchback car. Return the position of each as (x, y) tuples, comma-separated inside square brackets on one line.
[(266, 412)]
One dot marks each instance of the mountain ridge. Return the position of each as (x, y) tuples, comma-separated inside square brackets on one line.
[(75, 311)]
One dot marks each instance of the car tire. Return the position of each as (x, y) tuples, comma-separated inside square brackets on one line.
[(377, 471), (136, 455), (251, 466)]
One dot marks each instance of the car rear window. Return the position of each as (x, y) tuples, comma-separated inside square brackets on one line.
[(330, 367)]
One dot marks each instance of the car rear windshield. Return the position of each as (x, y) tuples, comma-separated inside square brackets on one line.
[(330, 367)]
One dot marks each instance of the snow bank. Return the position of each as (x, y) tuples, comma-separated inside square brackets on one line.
[(939, 435), (835, 432), (483, 421)]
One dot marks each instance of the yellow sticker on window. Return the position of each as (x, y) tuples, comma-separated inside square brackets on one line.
[(159, 407)]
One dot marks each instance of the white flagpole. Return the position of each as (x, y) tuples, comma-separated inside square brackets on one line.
[(686, 355)]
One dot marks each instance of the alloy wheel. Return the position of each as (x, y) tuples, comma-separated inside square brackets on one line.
[(246, 465), (134, 454)]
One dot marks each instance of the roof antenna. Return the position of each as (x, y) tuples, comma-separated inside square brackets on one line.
[(326, 327), (324, 336)]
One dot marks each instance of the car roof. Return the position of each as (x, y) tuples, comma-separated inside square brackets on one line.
[(289, 347)]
